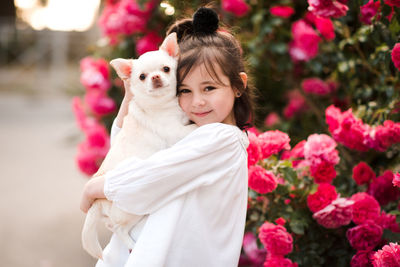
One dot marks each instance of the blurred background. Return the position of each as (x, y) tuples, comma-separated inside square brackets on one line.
[(41, 44)]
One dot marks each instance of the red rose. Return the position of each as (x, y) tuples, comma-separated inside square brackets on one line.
[(327, 8), (276, 239), (326, 28), (323, 172), (388, 221), (324, 196), (315, 86), (261, 180), (365, 207), (149, 42), (253, 150), (364, 236), (362, 259), (282, 11), (382, 188), (396, 55), (393, 3), (278, 261), (305, 42), (297, 104), (237, 7), (369, 10), (388, 256), (363, 174)]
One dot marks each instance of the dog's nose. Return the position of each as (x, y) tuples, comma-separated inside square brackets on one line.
[(157, 83)]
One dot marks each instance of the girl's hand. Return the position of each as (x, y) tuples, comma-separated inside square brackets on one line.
[(128, 92), (93, 190)]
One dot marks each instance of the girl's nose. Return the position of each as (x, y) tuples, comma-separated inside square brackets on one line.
[(198, 100)]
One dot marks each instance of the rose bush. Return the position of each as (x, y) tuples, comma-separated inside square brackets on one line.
[(324, 158)]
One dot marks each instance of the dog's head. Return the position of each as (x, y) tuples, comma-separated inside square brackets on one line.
[(153, 74)]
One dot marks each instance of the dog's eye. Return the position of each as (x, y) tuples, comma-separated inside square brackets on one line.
[(142, 77), (166, 69)]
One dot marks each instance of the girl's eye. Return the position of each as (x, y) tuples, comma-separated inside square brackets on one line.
[(184, 91), (166, 69), (209, 88), (142, 77)]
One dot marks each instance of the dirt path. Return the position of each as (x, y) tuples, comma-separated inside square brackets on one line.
[(40, 185)]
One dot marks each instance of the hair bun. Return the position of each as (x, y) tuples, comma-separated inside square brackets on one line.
[(205, 20)]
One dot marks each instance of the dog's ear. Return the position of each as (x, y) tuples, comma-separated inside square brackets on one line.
[(123, 67), (170, 45)]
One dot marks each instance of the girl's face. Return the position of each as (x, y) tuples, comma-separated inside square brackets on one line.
[(205, 100)]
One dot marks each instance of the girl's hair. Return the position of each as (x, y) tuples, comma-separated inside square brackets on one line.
[(205, 44)]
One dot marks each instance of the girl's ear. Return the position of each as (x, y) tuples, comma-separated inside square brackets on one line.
[(123, 67), (243, 76), (170, 45)]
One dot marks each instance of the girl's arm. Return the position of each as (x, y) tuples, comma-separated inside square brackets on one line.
[(211, 152)]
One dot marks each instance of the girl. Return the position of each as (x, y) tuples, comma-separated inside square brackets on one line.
[(208, 168)]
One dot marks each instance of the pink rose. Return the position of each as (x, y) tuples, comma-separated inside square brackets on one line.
[(336, 214), (396, 55), (323, 172), (304, 46), (396, 179), (296, 152), (251, 250), (369, 10), (278, 261), (272, 142), (388, 256), (363, 174), (253, 150), (280, 221), (364, 236), (297, 104), (149, 42), (271, 119), (321, 148), (382, 188), (282, 11), (347, 129), (99, 103), (362, 259), (261, 180), (315, 86), (325, 194), (276, 239), (327, 8), (326, 28), (95, 74), (365, 207), (84, 122), (238, 7), (383, 136), (93, 150)]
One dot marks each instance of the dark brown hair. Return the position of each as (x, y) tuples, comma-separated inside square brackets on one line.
[(219, 47)]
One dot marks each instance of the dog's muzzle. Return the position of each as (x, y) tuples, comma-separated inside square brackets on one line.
[(156, 80)]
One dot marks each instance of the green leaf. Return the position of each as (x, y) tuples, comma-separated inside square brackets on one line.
[(297, 226)]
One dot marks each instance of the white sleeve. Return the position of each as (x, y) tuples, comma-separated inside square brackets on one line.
[(114, 131), (207, 154)]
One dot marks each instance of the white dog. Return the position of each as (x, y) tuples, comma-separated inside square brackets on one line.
[(154, 122)]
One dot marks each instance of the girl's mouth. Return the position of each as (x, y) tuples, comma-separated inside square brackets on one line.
[(201, 114)]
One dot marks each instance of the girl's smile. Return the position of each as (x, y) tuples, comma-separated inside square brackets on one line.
[(206, 100)]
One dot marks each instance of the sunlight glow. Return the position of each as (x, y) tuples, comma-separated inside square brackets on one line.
[(59, 15)]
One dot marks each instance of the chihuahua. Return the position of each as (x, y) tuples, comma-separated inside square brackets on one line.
[(154, 122)]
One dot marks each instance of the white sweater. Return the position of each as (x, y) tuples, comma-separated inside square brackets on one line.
[(196, 196)]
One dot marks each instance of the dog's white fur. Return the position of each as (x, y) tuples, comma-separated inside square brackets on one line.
[(154, 122)]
